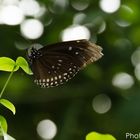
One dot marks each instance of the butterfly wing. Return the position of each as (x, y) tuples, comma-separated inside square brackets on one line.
[(61, 61)]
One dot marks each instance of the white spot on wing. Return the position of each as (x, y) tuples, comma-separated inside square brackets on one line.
[(65, 74), (76, 53), (71, 72), (70, 48), (64, 78), (51, 79), (59, 64), (60, 60)]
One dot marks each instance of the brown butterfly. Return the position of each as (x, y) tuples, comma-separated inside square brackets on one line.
[(55, 64)]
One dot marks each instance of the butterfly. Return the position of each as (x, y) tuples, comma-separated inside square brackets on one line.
[(55, 64)]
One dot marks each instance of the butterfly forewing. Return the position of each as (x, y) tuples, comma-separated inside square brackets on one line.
[(57, 63), (51, 71)]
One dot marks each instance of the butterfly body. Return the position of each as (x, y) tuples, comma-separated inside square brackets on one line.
[(55, 64)]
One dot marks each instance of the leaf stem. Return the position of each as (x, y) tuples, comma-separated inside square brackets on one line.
[(5, 85)]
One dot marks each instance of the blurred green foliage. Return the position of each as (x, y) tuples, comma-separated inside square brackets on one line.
[(70, 105), (98, 136)]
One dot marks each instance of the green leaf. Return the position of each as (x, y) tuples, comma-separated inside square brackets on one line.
[(8, 105), (3, 125), (21, 62), (7, 64), (98, 136)]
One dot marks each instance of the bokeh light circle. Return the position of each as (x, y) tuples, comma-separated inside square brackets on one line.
[(75, 32), (123, 80), (46, 129), (79, 18), (11, 15), (109, 6), (135, 58), (29, 7), (101, 103), (32, 28), (80, 4), (137, 72), (9, 2)]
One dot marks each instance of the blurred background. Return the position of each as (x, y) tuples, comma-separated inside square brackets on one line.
[(104, 97)]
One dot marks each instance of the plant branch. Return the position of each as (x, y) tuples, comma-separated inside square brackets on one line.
[(5, 85)]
